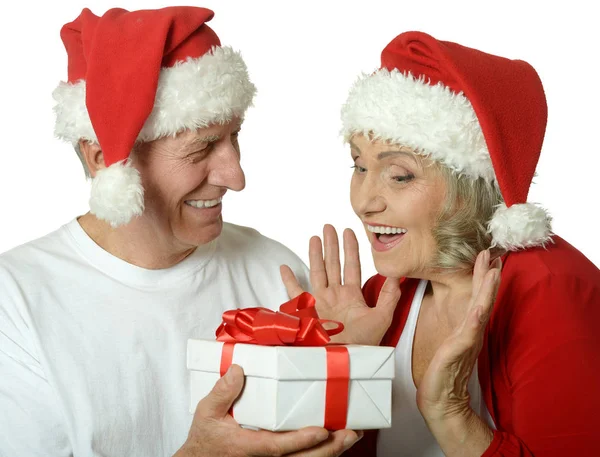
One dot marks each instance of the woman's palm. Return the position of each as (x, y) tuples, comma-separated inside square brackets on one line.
[(343, 301)]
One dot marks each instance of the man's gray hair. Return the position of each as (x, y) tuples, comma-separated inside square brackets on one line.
[(82, 159)]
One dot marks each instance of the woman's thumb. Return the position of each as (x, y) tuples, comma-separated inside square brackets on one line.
[(388, 297)]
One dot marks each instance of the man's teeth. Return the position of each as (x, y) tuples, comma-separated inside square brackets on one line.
[(385, 230), (204, 203)]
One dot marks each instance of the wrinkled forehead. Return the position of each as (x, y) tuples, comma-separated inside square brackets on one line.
[(201, 135), (380, 149)]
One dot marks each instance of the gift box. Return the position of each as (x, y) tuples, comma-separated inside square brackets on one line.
[(293, 377), (285, 387)]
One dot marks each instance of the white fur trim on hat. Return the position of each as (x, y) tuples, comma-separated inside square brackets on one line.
[(207, 90), (431, 119), (117, 194), (520, 226)]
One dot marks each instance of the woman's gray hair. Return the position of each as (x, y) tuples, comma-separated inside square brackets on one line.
[(461, 230)]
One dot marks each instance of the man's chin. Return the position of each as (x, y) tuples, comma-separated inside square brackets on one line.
[(197, 236)]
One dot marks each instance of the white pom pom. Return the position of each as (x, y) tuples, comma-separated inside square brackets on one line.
[(117, 194), (521, 226)]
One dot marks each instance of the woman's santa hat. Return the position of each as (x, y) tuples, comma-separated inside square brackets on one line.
[(481, 115), (139, 76)]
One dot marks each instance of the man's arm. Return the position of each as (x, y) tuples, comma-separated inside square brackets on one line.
[(31, 420)]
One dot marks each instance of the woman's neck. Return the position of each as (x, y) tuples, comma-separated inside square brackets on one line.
[(448, 295), (137, 243)]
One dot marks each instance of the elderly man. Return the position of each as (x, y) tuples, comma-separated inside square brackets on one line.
[(94, 317)]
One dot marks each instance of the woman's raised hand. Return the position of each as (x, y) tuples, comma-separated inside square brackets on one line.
[(339, 295)]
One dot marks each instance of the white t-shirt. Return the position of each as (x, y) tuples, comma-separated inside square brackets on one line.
[(93, 349), (409, 435)]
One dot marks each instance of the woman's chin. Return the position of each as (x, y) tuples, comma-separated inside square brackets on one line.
[(391, 270)]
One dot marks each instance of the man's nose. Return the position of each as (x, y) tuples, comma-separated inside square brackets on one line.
[(226, 170)]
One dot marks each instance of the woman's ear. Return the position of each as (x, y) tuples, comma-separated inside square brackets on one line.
[(92, 156)]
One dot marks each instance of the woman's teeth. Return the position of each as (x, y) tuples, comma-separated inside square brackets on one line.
[(385, 230), (203, 203)]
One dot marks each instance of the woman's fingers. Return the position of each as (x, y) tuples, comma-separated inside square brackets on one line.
[(497, 263), (487, 293), (332, 255), (479, 270), (318, 274), (480, 313), (388, 298), (470, 333), (352, 274), (292, 286)]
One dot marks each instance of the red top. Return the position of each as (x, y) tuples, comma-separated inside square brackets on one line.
[(539, 368)]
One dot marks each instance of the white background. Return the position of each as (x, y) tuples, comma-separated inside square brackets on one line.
[(303, 57)]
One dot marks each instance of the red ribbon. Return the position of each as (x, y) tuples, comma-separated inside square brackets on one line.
[(295, 324)]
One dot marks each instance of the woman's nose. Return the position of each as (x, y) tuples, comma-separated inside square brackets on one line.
[(369, 199)]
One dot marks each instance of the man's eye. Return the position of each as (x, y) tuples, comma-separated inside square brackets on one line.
[(200, 154)]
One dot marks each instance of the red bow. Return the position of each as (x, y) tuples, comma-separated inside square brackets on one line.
[(295, 324)]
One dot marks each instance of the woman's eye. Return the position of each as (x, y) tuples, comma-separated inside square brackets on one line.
[(358, 169), (404, 178)]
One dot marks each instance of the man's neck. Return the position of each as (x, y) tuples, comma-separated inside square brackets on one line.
[(137, 243)]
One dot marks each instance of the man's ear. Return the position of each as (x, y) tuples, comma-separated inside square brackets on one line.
[(92, 156)]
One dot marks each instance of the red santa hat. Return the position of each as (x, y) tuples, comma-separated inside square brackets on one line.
[(481, 115), (139, 76)]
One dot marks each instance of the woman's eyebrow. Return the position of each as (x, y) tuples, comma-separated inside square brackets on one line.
[(386, 154)]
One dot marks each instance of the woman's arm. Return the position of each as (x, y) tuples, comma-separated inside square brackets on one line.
[(443, 394), (552, 367), (552, 346)]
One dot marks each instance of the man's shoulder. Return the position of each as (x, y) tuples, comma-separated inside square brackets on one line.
[(247, 241), (34, 253)]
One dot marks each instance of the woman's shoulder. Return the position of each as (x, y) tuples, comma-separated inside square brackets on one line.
[(558, 261), (555, 287)]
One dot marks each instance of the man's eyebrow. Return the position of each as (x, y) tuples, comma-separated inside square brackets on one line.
[(200, 141)]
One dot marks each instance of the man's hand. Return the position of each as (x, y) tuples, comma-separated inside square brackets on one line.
[(215, 433)]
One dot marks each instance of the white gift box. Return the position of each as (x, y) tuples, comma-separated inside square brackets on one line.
[(285, 385)]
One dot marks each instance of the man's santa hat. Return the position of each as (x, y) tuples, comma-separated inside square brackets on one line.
[(481, 115), (139, 76)]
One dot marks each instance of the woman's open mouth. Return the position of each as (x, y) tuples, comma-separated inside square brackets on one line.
[(385, 237)]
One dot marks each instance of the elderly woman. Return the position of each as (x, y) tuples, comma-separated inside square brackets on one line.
[(445, 140)]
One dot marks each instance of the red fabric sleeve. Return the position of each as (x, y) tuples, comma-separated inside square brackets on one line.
[(552, 371)]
